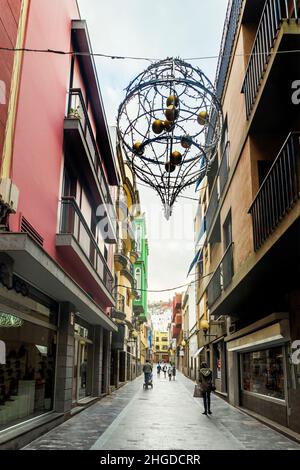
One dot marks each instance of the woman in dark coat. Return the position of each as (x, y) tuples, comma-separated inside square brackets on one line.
[(205, 379)]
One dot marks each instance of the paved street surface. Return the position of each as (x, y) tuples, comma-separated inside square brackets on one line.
[(167, 417)]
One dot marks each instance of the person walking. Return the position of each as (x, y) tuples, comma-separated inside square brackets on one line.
[(147, 369), (170, 373), (174, 371), (158, 369), (205, 379), (165, 370)]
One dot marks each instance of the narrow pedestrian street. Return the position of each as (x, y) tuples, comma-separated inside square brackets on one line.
[(166, 417)]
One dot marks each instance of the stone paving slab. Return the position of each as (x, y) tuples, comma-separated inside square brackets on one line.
[(167, 418)]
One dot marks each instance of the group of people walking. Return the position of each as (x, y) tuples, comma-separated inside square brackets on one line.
[(166, 369)]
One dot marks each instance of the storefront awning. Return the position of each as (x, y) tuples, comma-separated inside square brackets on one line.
[(198, 352), (272, 335)]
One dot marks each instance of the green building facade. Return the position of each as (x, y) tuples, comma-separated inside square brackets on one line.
[(140, 305)]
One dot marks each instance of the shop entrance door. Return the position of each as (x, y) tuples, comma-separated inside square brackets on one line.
[(82, 369)]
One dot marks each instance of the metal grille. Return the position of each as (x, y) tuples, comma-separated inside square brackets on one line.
[(26, 227)]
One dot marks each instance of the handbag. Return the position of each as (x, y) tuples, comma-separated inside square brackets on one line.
[(213, 388), (197, 391)]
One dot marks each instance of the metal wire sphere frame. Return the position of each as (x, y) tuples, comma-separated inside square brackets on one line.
[(169, 124)]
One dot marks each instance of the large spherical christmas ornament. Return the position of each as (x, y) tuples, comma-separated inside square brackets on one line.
[(171, 113), (138, 148), (170, 167), (202, 118), (181, 97), (158, 126), (186, 141), (168, 125), (176, 158), (173, 101)]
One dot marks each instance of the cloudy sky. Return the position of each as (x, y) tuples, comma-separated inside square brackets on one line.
[(157, 29)]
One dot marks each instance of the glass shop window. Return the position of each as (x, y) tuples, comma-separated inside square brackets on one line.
[(27, 371), (263, 372)]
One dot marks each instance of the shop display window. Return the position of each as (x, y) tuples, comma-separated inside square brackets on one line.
[(263, 372), (27, 370)]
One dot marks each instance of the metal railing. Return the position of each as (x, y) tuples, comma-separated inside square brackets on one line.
[(128, 266), (73, 222), (77, 104), (119, 302), (224, 168), (278, 192), (274, 13), (212, 208), (221, 278)]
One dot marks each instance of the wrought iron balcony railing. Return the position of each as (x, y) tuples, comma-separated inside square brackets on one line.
[(224, 168), (120, 302), (221, 278), (212, 207), (118, 311), (278, 192), (274, 13), (77, 108), (73, 222)]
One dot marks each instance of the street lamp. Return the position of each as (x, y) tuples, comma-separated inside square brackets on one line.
[(204, 326)]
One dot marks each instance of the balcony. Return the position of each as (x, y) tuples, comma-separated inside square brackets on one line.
[(212, 208), (120, 256), (76, 238), (118, 312), (178, 319), (221, 278), (80, 142), (134, 254), (224, 168), (275, 12), (278, 193)]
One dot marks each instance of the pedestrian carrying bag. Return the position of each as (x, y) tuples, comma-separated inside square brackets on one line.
[(197, 391)]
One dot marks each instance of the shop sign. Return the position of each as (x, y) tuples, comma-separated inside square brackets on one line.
[(2, 353)]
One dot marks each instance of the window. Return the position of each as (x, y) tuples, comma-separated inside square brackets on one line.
[(138, 239), (263, 167), (227, 231), (164, 339), (138, 278), (128, 297), (224, 138), (27, 374), (157, 348), (263, 372)]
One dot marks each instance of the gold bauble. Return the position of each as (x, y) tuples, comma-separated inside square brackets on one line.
[(176, 158), (157, 126), (186, 141), (202, 118), (171, 113), (138, 148), (168, 125), (170, 167), (173, 101)]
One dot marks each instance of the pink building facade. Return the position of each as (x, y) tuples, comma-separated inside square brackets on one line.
[(58, 179)]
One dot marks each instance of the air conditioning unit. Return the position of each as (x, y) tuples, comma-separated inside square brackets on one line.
[(9, 194)]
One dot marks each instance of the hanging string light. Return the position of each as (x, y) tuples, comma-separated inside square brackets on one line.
[(169, 124)]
